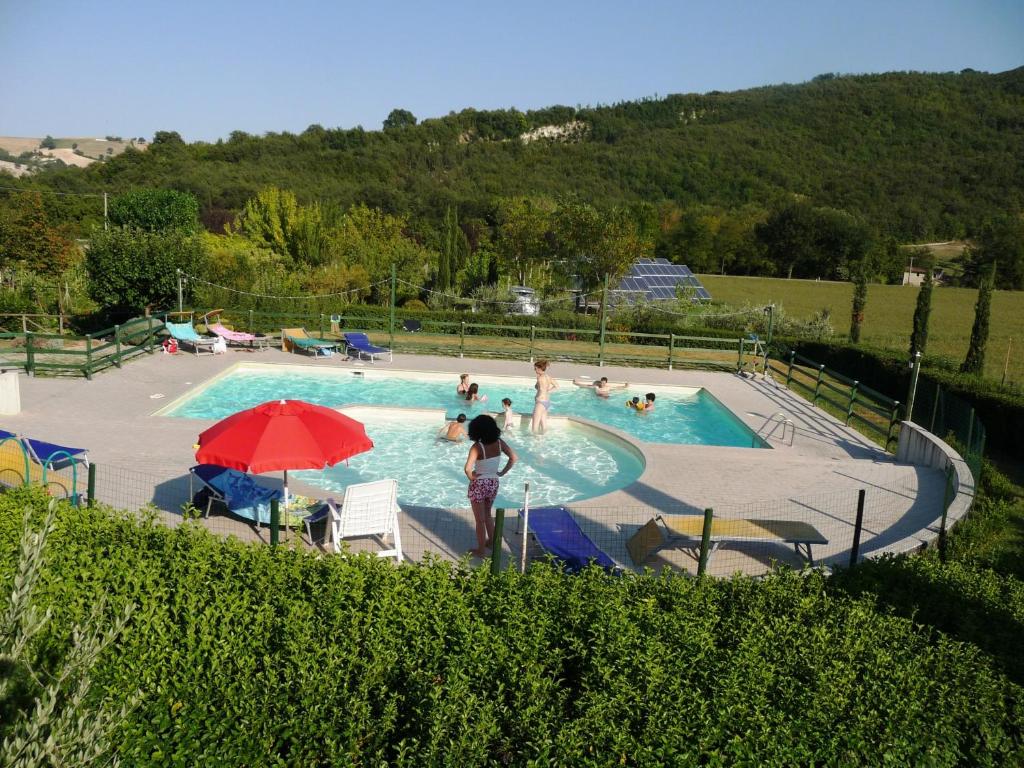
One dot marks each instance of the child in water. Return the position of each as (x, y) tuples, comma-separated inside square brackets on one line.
[(508, 418), (455, 430)]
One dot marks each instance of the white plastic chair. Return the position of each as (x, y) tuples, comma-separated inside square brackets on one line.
[(368, 509)]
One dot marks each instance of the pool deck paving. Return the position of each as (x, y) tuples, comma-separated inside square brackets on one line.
[(144, 458)]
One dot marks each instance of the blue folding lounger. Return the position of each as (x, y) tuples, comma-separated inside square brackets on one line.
[(237, 491), (560, 536)]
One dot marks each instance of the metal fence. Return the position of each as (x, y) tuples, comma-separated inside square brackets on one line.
[(953, 419), (865, 517), (854, 403)]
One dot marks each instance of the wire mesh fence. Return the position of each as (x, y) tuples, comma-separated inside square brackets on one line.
[(897, 511), (953, 419)]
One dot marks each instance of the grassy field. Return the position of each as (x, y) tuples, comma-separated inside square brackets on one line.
[(90, 147), (889, 315)]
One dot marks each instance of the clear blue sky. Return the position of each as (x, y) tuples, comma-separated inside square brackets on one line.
[(205, 69)]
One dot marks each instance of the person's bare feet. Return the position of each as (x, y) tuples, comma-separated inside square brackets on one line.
[(478, 552)]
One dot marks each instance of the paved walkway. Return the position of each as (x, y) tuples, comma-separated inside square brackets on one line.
[(143, 458)]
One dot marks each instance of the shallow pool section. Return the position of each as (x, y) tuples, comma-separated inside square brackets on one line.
[(571, 462), (683, 415)]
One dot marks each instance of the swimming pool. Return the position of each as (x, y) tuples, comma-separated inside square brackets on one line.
[(571, 462), (687, 416)]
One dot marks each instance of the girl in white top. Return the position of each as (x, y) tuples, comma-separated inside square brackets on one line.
[(545, 386), (483, 473)]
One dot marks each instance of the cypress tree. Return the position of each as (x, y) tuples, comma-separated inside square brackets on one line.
[(974, 363), (860, 299), (444, 273), (922, 312)]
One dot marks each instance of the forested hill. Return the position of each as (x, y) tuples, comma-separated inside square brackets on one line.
[(916, 155)]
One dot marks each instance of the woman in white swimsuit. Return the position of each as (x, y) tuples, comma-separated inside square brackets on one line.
[(542, 404), (483, 473)]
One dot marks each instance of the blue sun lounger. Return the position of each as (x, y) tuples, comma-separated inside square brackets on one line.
[(560, 536), (360, 344), (39, 463), (49, 454), (237, 491)]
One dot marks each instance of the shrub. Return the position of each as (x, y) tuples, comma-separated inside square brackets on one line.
[(252, 656), (155, 210)]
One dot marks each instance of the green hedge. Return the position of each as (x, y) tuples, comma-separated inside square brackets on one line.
[(249, 656)]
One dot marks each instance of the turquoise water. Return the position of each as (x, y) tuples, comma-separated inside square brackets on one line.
[(694, 419), (567, 464)]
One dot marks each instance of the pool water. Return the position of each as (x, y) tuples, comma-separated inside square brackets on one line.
[(569, 463), (682, 416)]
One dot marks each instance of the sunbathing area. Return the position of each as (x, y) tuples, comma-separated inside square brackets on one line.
[(606, 484)]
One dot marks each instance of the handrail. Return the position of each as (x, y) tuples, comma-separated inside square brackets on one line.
[(777, 418)]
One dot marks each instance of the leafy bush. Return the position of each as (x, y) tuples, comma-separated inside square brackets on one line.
[(156, 210), (133, 269), (250, 656)]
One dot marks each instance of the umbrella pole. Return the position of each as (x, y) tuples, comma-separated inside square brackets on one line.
[(287, 504)]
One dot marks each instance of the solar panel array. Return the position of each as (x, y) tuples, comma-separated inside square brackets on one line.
[(658, 280)]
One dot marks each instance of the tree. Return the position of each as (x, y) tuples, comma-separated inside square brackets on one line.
[(131, 269), (788, 236), (919, 336), (399, 118), (29, 241), (156, 210), (167, 139), (454, 250), (860, 300), (523, 228), (375, 241), (48, 143), (593, 244), (974, 363), (1002, 239), (275, 220)]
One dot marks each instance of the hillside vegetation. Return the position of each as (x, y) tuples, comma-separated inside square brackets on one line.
[(918, 156)]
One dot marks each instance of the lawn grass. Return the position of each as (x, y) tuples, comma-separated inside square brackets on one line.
[(889, 316)]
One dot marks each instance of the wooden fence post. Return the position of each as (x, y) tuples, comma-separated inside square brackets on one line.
[(705, 541), (30, 354), (499, 525)]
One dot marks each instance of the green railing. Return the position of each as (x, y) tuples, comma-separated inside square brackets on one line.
[(57, 354), (844, 397), (469, 339)]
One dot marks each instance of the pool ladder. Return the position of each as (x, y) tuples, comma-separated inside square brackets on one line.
[(780, 418)]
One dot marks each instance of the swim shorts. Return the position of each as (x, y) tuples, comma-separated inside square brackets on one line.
[(483, 489)]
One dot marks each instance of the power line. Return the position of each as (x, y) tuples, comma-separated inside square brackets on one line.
[(453, 297), (53, 192), (292, 298)]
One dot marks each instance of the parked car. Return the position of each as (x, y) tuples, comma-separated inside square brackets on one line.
[(524, 301)]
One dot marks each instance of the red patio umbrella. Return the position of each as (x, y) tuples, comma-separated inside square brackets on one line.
[(282, 434)]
